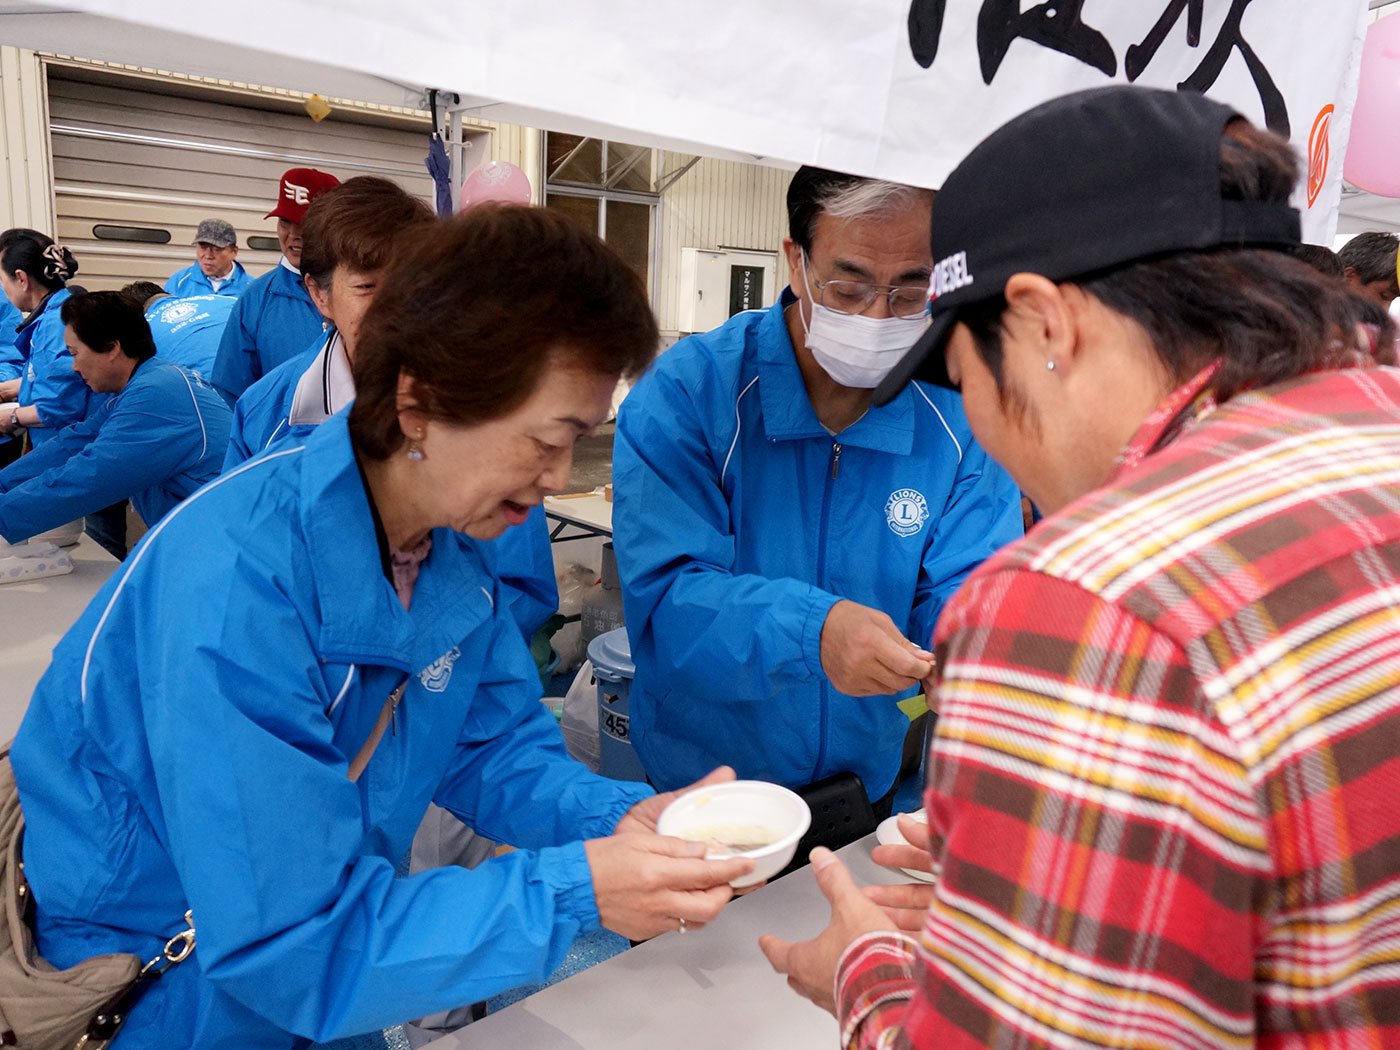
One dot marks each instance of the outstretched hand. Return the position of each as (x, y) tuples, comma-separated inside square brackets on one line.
[(905, 904), (810, 966)]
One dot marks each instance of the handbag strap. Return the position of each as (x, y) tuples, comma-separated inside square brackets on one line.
[(386, 716), (108, 1021)]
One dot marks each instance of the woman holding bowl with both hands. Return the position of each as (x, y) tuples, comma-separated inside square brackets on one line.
[(255, 711)]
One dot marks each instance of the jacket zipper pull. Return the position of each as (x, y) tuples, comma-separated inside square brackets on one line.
[(394, 711), (835, 459)]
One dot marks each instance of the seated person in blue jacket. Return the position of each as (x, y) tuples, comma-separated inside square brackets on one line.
[(251, 717), (49, 395), (11, 368), (216, 269), (186, 330), (275, 318), (154, 434), (784, 545)]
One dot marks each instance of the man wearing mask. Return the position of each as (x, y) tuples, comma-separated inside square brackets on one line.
[(275, 318), (784, 546)]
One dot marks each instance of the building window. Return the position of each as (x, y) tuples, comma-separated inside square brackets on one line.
[(609, 188)]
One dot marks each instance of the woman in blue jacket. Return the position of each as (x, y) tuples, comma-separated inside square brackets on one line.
[(157, 436), (49, 395), (253, 714)]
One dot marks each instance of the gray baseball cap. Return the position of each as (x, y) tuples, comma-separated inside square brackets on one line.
[(216, 232)]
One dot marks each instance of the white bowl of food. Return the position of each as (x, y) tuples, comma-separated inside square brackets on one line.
[(743, 818)]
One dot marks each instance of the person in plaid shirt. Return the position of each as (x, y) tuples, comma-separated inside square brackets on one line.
[(1162, 794)]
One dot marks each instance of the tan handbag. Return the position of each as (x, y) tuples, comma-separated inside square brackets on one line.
[(43, 1008)]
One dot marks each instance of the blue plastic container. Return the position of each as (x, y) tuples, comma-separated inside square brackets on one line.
[(613, 670)]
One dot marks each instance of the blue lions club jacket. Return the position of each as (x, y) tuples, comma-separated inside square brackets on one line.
[(189, 748), (187, 331), (191, 281), (739, 521), (274, 321), (11, 360), (49, 382), (155, 442), (300, 394)]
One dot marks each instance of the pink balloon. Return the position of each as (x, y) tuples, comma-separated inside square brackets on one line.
[(1373, 153), (496, 181)]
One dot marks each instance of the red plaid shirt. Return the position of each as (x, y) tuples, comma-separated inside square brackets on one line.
[(1166, 776)]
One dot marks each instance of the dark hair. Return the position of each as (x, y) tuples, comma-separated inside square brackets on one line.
[(142, 292), (1267, 313), (476, 308), (47, 264), (1372, 256), (104, 319), (357, 224), (815, 191), (1323, 260)]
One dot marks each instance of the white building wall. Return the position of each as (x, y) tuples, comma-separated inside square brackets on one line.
[(26, 177), (716, 204)]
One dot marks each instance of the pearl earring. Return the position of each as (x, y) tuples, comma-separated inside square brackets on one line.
[(415, 450), (1050, 366)]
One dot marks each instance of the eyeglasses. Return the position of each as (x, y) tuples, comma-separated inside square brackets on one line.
[(855, 297)]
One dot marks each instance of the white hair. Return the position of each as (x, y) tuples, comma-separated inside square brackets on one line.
[(869, 197)]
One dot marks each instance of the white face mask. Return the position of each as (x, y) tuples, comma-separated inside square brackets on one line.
[(855, 350)]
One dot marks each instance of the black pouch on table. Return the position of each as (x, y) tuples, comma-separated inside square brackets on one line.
[(841, 813)]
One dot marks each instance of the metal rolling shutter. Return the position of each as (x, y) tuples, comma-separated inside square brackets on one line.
[(125, 155)]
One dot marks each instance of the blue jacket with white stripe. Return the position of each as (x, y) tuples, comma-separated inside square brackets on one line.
[(155, 442), (740, 520), (189, 748), (191, 281)]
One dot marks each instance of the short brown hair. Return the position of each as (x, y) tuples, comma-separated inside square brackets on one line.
[(357, 224), (474, 309)]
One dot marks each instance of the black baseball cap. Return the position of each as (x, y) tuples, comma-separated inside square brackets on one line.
[(1082, 184)]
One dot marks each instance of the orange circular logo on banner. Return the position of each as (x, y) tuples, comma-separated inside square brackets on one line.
[(1319, 153)]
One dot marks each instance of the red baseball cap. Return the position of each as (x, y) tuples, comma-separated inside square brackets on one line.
[(298, 188)]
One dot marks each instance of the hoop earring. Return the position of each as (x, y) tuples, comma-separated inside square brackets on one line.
[(415, 450)]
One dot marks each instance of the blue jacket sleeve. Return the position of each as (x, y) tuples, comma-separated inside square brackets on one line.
[(235, 363), (514, 780), (703, 628), (68, 442), (332, 943), (130, 447), (982, 515)]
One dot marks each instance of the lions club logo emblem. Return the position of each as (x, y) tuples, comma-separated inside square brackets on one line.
[(906, 511), (438, 673), (177, 312)]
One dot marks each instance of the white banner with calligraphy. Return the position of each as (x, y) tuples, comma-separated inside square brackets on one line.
[(896, 88)]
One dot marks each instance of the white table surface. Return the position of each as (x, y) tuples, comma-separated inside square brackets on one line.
[(34, 616), (590, 509), (709, 989)]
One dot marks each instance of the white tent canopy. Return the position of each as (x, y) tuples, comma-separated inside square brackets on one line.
[(895, 88)]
